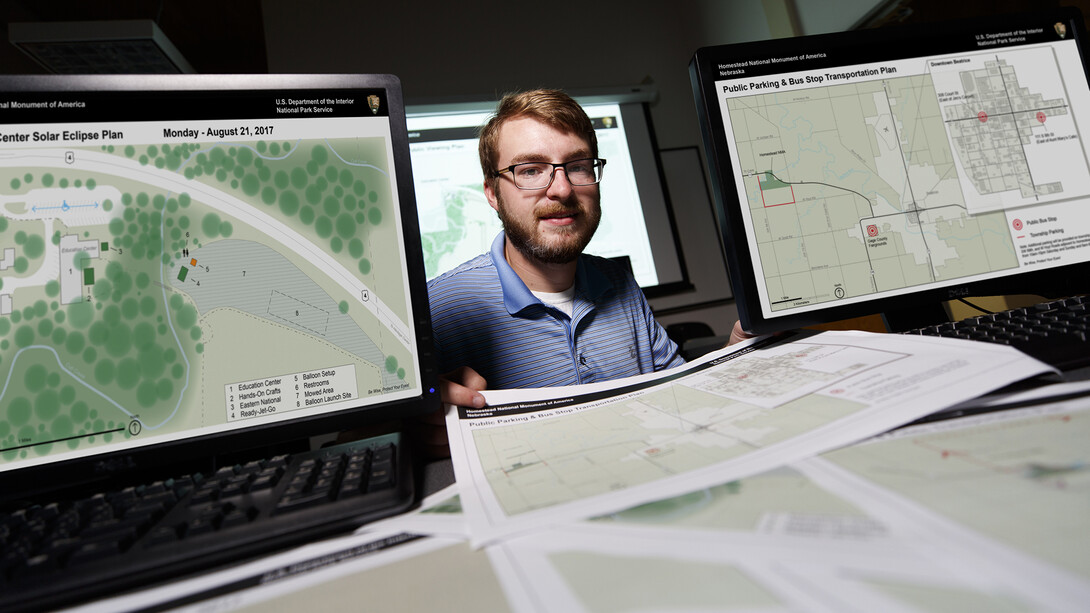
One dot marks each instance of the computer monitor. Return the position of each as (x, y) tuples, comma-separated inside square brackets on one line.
[(197, 264), (887, 171), (457, 224)]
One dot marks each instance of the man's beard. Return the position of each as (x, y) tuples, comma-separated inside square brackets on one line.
[(523, 233)]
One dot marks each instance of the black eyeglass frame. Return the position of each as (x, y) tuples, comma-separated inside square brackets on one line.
[(599, 162)]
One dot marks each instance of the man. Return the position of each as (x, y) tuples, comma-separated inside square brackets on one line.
[(535, 311)]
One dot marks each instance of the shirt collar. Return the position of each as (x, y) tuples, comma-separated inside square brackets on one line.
[(590, 283)]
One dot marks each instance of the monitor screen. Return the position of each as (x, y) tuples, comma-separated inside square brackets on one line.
[(457, 224), (194, 263), (882, 170)]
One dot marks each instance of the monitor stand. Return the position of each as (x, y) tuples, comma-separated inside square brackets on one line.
[(900, 320)]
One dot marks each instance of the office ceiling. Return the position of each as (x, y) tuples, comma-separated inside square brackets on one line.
[(228, 36), (215, 36)]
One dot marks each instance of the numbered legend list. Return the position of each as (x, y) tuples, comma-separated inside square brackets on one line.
[(282, 393)]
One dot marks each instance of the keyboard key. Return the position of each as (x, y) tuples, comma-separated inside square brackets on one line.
[(94, 551), (301, 501), (237, 517), (161, 535), (201, 525)]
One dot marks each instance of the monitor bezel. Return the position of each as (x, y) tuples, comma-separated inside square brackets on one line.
[(205, 452), (928, 39)]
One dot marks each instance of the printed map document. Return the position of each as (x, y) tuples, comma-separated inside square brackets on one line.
[(975, 513), (537, 458)]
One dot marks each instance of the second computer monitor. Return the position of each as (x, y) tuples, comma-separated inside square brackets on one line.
[(881, 171)]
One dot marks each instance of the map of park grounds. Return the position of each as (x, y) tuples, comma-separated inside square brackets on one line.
[(150, 289), (899, 182)]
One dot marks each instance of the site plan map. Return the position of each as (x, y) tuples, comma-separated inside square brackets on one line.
[(159, 277)]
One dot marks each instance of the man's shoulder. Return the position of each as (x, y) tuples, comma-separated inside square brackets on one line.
[(478, 266), (470, 274)]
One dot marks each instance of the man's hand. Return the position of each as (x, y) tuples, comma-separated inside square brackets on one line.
[(737, 334), (459, 387), (462, 387)]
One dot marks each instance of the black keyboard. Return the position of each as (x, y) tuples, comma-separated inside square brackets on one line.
[(68, 551), (1054, 332)]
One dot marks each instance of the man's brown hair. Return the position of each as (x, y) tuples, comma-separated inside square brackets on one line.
[(550, 106)]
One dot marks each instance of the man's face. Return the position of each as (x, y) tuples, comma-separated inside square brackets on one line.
[(551, 225)]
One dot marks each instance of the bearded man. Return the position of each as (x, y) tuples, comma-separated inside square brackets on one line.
[(535, 311)]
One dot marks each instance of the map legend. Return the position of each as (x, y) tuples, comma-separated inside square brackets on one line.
[(272, 395)]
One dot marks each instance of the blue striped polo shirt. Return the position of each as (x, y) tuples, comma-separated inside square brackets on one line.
[(484, 317)]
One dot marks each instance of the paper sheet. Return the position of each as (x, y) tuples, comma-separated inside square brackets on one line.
[(976, 513), (888, 525), (536, 458)]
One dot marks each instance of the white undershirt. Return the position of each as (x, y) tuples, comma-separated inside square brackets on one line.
[(564, 301)]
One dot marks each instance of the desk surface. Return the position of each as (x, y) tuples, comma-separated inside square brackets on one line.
[(438, 474)]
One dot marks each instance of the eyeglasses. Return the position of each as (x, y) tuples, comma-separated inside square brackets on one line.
[(539, 175)]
